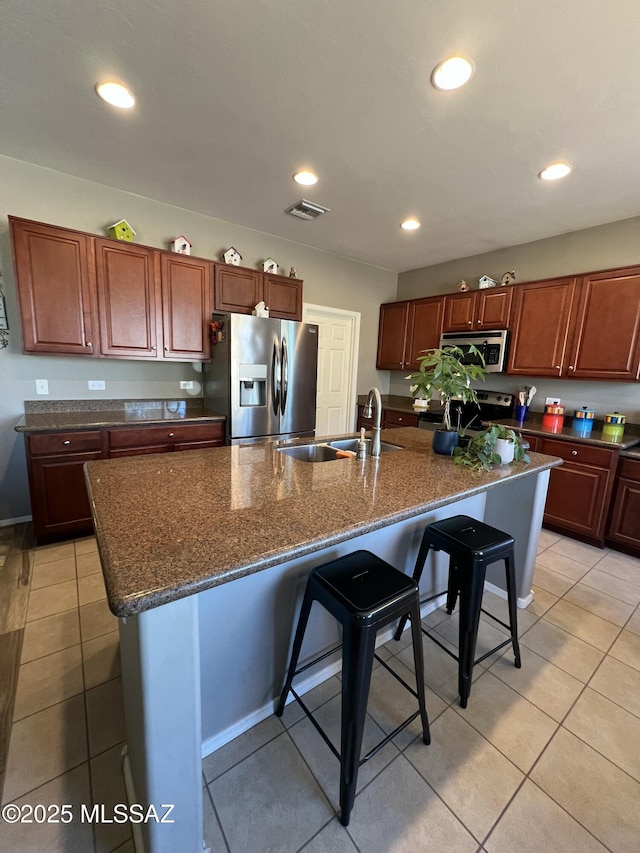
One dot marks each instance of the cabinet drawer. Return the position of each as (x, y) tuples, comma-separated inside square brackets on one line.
[(169, 434), (400, 419), (630, 469), (572, 452), (64, 442)]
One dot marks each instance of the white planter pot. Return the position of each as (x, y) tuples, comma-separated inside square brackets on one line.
[(505, 450)]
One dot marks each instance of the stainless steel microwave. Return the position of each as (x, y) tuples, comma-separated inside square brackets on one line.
[(492, 344)]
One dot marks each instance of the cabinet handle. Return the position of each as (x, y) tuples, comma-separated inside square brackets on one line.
[(172, 434), (88, 344), (66, 442), (574, 452)]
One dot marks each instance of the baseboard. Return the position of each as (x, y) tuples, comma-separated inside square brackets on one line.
[(7, 522), (501, 593)]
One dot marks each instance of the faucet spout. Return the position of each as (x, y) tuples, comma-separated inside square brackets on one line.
[(374, 398)]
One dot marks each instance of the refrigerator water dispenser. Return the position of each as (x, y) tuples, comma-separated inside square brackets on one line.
[(253, 384)]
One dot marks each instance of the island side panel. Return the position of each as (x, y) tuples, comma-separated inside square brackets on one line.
[(161, 685), (517, 508), (247, 626)]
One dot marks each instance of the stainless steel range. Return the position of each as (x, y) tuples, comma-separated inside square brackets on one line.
[(492, 405)]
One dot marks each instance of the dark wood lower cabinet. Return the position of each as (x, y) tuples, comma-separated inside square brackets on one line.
[(623, 531), (59, 501)]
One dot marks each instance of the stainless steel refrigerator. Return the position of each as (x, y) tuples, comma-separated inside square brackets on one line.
[(262, 376)]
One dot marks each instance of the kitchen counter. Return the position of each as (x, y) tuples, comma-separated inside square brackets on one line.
[(393, 403), (271, 508), (52, 415), (533, 426), (206, 554)]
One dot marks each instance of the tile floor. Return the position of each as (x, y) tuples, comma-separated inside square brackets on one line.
[(545, 758)]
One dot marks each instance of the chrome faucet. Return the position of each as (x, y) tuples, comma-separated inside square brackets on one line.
[(367, 412)]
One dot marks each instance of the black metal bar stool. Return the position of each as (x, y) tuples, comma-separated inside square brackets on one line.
[(472, 545), (364, 594)]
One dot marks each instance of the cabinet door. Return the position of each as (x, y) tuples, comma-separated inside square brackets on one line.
[(540, 322), (186, 307), (55, 279), (283, 296), (236, 289), (493, 307), (459, 312), (59, 501), (606, 342), (128, 278), (624, 527), (424, 327), (392, 334)]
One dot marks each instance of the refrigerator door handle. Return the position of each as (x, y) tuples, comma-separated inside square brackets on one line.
[(276, 368), (285, 374)]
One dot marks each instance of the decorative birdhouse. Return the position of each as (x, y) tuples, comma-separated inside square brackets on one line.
[(122, 231), (269, 265), (463, 287), (485, 282), (181, 245), (232, 256), (508, 277)]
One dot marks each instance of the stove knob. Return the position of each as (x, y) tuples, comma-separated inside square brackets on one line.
[(498, 398)]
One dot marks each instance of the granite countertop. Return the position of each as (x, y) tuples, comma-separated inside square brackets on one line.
[(51, 415), (172, 525), (632, 453), (533, 426)]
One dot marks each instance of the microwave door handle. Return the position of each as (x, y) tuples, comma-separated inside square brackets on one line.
[(275, 377), (285, 374)]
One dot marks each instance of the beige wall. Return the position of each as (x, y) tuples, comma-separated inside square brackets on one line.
[(35, 193), (614, 245)]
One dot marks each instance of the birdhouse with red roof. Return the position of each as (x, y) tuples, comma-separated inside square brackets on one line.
[(181, 245)]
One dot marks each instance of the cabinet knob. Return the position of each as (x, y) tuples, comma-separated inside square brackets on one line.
[(558, 368), (66, 442), (166, 349), (469, 323), (478, 322), (574, 452), (399, 420), (153, 349), (172, 434), (88, 344), (571, 367)]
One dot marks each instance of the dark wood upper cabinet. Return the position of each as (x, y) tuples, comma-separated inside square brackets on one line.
[(606, 331), (478, 310), (186, 306), (540, 327), (236, 289), (282, 296), (424, 328), (55, 278), (128, 278), (392, 335)]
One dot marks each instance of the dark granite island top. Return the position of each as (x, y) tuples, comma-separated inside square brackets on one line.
[(169, 526)]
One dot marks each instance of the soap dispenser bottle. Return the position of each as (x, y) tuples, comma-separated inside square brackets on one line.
[(362, 446)]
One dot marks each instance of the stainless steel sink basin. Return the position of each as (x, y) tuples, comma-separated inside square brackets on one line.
[(311, 452), (352, 444)]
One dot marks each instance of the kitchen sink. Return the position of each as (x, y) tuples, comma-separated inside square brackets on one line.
[(311, 452), (352, 444)]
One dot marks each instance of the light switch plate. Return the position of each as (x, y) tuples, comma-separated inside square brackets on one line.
[(42, 386), (552, 401), (186, 385), (97, 384)]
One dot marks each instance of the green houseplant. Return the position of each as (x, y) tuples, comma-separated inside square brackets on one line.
[(483, 450), (442, 374)]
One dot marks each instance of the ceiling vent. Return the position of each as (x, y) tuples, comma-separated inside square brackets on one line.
[(307, 209)]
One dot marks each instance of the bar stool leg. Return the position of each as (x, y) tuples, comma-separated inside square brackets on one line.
[(417, 574), (471, 590), (357, 663), (452, 587), (307, 601), (418, 657), (513, 607)]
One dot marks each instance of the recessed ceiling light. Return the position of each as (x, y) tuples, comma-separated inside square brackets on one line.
[(453, 73), (306, 178), (115, 94), (410, 224), (555, 171)]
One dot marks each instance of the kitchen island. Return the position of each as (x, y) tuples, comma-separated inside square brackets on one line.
[(205, 556)]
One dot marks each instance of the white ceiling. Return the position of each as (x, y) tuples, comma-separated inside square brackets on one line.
[(234, 96)]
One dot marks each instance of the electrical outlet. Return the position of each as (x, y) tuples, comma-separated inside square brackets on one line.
[(42, 386), (552, 401), (97, 385), (186, 385)]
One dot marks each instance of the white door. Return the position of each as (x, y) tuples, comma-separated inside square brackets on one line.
[(338, 337)]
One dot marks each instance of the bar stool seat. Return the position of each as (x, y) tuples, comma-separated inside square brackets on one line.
[(472, 545), (364, 594)]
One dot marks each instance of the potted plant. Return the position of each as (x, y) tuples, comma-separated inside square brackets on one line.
[(443, 374), (496, 445)]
